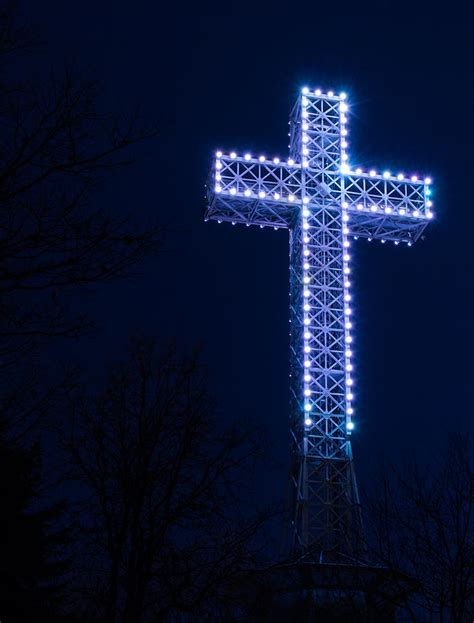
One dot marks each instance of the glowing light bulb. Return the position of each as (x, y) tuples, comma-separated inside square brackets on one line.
[(429, 215), (305, 226), (306, 266), (344, 132), (233, 154), (317, 92), (306, 200), (386, 174), (346, 257), (388, 210), (261, 194), (427, 180), (306, 307), (291, 198), (414, 178), (276, 196), (307, 321), (349, 339), (304, 114), (307, 378), (342, 96), (306, 252), (350, 425), (291, 162), (343, 107), (349, 367), (345, 218), (372, 173), (261, 158), (429, 204), (345, 168), (307, 363), (348, 311), (218, 188), (416, 214), (348, 353), (373, 208), (358, 170), (360, 206), (307, 349), (247, 193), (308, 421), (400, 176), (247, 156), (307, 392), (305, 90), (307, 407), (306, 294), (350, 396), (350, 382), (346, 244), (232, 191), (402, 211), (330, 94), (346, 270), (305, 279), (276, 160)]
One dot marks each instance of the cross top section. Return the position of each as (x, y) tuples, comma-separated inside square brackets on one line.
[(267, 192)]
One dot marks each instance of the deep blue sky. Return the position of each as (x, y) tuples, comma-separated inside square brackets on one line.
[(225, 76)]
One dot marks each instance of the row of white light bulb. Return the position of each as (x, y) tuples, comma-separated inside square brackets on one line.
[(400, 177), (292, 198), (233, 155), (319, 93), (344, 167)]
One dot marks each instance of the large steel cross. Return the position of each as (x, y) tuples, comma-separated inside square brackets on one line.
[(323, 201)]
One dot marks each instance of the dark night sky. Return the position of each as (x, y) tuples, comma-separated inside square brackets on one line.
[(225, 76)]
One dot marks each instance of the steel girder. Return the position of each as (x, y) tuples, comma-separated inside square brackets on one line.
[(323, 202)]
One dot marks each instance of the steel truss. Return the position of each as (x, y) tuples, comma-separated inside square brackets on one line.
[(323, 202)]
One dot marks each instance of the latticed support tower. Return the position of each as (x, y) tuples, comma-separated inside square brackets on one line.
[(323, 201)]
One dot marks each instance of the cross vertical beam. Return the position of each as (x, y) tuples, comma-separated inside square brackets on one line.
[(322, 201)]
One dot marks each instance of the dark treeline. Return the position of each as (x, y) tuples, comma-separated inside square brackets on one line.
[(135, 514)]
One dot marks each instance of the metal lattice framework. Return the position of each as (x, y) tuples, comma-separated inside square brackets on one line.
[(323, 201)]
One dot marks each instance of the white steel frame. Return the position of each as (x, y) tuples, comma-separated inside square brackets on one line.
[(322, 201)]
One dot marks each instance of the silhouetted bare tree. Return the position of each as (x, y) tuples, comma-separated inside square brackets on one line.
[(56, 148), (162, 484), (423, 521)]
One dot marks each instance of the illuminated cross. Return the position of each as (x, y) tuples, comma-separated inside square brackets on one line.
[(323, 201)]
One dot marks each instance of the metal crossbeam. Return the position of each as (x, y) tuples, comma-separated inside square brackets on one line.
[(323, 202)]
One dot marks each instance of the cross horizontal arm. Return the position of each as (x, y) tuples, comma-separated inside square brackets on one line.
[(385, 207), (252, 191)]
